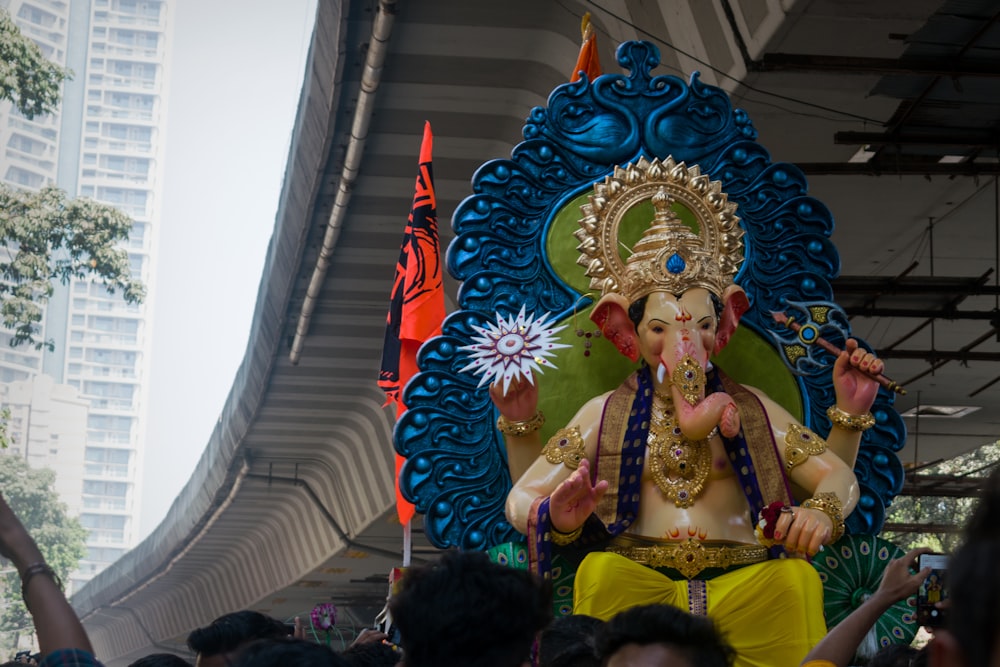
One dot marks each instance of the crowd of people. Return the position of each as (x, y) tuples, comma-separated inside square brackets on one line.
[(464, 610)]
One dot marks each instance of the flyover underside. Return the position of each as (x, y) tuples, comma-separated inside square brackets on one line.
[(291, 503)]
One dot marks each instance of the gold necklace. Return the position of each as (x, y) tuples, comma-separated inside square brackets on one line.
[(679, 467)]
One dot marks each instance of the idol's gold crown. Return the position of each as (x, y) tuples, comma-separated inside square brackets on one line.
[(670, 256)]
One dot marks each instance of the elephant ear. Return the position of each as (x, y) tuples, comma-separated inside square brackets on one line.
[(611, 317), (735, 303)]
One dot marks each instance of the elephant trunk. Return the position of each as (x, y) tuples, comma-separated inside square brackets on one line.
[(697, 414)]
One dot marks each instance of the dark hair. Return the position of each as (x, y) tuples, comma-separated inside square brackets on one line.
[(695, 637), (637, 310), (975, 591), (372, 654), (894, 655), (287, 651), (984, 524), (974, 579), (161, 660), (466, 610), (570, 641), (229, 632)]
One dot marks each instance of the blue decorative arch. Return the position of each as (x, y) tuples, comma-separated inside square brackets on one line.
[(456, 471)]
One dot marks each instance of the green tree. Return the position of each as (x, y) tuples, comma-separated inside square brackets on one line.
[(27, 79), (48, 236), (941, 511), (60, 538)]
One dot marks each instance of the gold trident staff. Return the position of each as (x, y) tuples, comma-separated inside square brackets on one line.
[(812, 336)]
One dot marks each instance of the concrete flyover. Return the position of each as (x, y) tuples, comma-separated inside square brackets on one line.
[(292, 500)]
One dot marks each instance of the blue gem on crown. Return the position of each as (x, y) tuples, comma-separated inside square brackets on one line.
[(676, 264)]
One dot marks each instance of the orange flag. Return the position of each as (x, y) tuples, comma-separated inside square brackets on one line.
[(588, 61), (416, 308)]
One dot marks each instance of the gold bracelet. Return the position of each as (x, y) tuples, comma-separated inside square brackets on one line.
[(829, 504), (849, 421), (561, 539), (521, 428)]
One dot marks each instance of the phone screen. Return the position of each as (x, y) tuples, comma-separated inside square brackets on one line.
[(934, 589)]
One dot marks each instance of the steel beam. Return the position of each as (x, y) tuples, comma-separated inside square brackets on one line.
[(804, 62), (916, 285), (943, 314), (885, 138), (899, 169), (921, 528)]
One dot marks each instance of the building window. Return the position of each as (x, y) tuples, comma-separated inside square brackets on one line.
[(108, 489)]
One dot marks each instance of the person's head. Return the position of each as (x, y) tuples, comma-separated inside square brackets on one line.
[(654, 635), (570, 641), (372, 654), (972, 636), (161, 660), (287, 651), (466, 610), (984, 524), (895, 655), (216, 643)]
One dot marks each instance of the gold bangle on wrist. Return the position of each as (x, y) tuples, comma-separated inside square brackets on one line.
[(848, 421), (829, 504), (561, 539), (520, 429)]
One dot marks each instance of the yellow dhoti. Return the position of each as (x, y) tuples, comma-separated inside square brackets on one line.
[(771, 613)]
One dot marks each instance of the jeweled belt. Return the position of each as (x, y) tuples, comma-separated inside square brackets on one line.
[(689, 557)]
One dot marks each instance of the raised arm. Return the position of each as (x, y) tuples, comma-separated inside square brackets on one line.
[(840, 644), (855, 393), (55, 621), (810, 465), (563, 464), (519, 423)]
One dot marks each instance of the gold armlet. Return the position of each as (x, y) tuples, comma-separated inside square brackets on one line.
[(829, 504), (521, 428), (562, 539), (800, 444), (565, 447), (848, 421)]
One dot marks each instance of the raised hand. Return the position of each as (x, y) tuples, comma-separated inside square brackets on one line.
[(898, 582), (575, 499), (520, 403), (856, 390)]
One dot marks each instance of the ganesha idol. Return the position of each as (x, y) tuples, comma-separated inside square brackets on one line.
[(682, 486)]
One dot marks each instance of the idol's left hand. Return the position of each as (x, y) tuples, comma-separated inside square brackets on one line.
[(853, 379)]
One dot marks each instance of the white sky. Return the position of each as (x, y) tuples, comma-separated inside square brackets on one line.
[(236, 75)]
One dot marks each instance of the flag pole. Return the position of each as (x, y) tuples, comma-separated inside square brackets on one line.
[(407, 542), (416, 309)]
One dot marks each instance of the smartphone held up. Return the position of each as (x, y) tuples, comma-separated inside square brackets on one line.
[(933, 591)]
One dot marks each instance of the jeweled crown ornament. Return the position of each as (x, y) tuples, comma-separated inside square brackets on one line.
[(670, 256)]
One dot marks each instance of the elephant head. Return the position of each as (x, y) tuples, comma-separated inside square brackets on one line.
[(676, 335)]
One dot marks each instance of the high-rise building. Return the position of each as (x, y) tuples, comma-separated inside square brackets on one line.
[(105, 142), (47, 427)]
